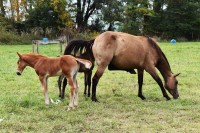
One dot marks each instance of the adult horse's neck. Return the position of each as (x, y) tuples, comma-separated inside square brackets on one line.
[(164, 67)]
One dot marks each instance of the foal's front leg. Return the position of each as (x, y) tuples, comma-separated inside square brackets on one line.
[(44, 84)]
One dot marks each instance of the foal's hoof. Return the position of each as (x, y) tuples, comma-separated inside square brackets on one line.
[(71, 108)]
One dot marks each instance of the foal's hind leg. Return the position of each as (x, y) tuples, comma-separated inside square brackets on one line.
[(155, 76), (75, 91), (140, 82), (72, 93)]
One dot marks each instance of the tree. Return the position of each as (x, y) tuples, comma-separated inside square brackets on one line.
[(2, 8), (42, 16), (136, 16), (83, 10), (112, 12), (182, 21), (64, 17)]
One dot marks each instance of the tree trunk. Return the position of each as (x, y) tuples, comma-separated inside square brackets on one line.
[(3, 13)]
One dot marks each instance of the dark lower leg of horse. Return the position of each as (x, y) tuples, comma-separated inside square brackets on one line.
[(85, 81), (140, 82), (63, 88), (59, 85), (89, 82), (159, 82), (163, 89), (95, 81)]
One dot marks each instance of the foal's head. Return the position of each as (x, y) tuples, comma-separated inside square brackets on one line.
[(21, 64), (171, 85)]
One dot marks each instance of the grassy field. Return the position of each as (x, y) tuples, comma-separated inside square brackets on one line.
[(22, 107)]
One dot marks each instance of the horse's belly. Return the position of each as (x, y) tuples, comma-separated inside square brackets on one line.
[(126, 63)]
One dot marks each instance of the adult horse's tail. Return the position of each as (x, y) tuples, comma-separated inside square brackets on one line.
[(79, 47)]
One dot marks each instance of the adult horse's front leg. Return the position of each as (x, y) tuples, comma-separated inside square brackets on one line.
[(140, 82), (44, 84), (155, 76)]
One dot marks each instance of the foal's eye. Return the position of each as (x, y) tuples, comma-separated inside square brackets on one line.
[(176, 82)]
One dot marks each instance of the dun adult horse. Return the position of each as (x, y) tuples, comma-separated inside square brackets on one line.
[(47, 67), (80, 49), (122, 51)]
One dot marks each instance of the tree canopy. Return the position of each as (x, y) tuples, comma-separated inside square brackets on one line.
[(166, 19)]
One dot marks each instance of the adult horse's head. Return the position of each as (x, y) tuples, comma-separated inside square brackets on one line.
[(172, 85), (21, 64)]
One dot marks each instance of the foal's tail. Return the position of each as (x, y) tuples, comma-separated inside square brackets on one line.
[(79, 47)]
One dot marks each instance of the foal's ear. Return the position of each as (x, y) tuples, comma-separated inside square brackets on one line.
[(19, 55), (177, 74)]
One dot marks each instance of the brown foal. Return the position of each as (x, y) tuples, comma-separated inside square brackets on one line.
[(47, 67)]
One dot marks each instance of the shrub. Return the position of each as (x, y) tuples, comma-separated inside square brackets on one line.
[(10, 37)]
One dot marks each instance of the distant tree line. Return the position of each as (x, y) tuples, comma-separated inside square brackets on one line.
[(165, 19)]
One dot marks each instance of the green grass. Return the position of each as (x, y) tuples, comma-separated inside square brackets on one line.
[(22, 107)]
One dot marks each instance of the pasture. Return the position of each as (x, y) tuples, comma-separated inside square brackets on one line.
[(22, 107)]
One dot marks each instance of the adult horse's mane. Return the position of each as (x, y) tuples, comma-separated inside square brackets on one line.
[(78, 47), (155, 45)]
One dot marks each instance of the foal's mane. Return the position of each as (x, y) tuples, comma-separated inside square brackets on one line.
[(158, 49), (79, 47), (33, 55)]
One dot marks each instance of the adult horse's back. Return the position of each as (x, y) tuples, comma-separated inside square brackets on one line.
[(122, 51)]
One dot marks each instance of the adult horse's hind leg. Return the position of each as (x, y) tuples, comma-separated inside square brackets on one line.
[(140, 82), (155, 76), (95, 80)]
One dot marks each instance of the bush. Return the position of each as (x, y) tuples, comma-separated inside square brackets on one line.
[(86, 35), (9, 37)]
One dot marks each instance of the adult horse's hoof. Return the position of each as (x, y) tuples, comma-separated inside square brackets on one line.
[(142, 97), (94, 99), (167, 98)]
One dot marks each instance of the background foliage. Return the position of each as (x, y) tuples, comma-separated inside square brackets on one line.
[(165, 19)]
